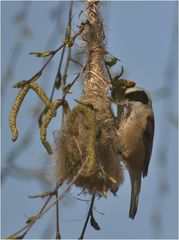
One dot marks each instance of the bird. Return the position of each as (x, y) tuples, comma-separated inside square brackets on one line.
[(136, 130)]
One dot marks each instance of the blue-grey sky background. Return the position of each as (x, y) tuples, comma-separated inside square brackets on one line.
[(144, 36)]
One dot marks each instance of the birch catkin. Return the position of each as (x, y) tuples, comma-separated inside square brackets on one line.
[(14, 111), (52, 111)]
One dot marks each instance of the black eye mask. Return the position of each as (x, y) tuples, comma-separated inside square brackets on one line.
[(139, 96)]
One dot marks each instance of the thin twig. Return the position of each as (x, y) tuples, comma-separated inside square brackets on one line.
[(58, 75), (58, 236), (53, 52), (76, 62), (29, 225), (79, 199), (71, 84), (67, 36), (45, 209), (90, 213)]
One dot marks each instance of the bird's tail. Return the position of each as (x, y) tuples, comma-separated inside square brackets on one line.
[(135, 190)]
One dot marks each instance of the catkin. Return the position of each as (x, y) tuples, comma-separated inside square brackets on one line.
[(43, 129), (14, 111), (91, 148), (40, 92)]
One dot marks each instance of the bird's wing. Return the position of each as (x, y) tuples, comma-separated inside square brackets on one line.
[(148, 141)]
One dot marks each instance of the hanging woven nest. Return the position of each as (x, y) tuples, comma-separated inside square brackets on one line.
[(88, 149)]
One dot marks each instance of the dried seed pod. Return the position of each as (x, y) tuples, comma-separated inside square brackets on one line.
[(15, 108)]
